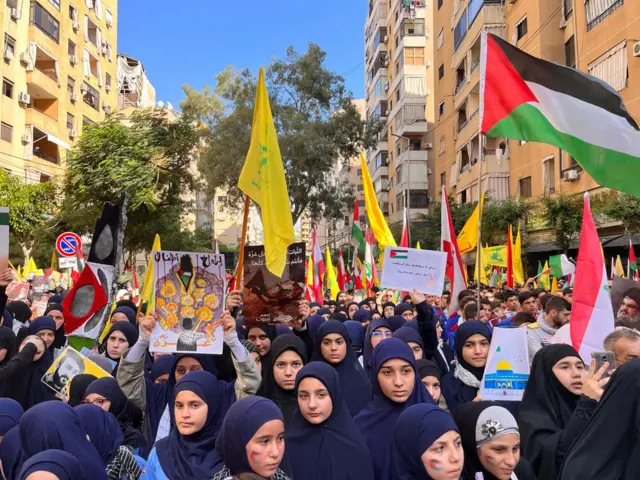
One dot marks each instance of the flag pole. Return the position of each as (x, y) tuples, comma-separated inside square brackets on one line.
[(243, 240), (479, 248)]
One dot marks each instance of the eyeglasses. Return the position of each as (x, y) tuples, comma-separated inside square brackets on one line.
[(382, 334)]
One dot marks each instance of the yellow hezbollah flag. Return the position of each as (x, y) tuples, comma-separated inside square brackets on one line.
[(554, 285), (418, 246), (495, 256), (468, 236), (518, 269), (332, 281), (544, 277), (377, 222), (54, 260), (262, 179), (31, 269), (619, 269), (481, 274), (309, 271), (146, 295)]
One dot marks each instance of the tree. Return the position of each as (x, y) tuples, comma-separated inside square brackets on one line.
[(318, 128), (563, 213), (619, 206), (498, 215), (150, 159), (30, 208)]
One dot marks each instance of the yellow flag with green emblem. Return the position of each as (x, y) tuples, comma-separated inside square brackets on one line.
[(262, 179), (332, 281)]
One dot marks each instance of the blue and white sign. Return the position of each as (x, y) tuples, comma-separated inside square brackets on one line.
[(68, 244)]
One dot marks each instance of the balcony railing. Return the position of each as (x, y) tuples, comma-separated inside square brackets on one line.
[(460, 85)]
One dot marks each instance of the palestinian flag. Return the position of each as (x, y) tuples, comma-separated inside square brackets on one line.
[(398, 254), (357, 237), (561, 266), (525, 98)]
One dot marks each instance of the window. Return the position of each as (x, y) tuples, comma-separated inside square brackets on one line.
[(442, 145), (568, 7), (70, 121), (9, 45), (90, 96), (45, 22), (12, 3), (570, 53), (87, 122), (549, 176), (440, 38), (463, 197), (443, 179), (598, 10), (414, 55), (382, 159), (91, 31), (461, 75), (71, 49), (360, 188), (439, 4), (521, 29), (72, 12), (359, 172), (107, 79), (7, 88), (55, 3), (525, 187), (71, 85), (460, 31), (441, 109), (109, 18), (612, 67), (418, 198), (6, 132), (398, 94), (440, 72)]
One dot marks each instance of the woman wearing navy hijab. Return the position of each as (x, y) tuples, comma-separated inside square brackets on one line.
[(333, 346), (427, 445), (55, 425), (251, 440), (105, 434), (189, 452), (377, 331), (10, 454), (10, 413), (56, 462), (322, 439), (396, 386)]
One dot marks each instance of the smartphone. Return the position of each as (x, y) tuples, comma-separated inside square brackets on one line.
[(601, 358)]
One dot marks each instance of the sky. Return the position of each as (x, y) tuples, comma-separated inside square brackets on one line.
[(190, 45)]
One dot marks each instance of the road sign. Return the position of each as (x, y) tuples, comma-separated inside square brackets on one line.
[(68, 262), (68, 243)]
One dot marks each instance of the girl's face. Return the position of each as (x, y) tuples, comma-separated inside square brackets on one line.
[(257, 359), (388, 311), (352, 310), (98, 401), (500, 456), (191, 412), (333, 348), (443, 460), (571, 374), (47, 336), (186, 365), (285, 369), (432, 384), (475, 350), (116, 344), (3, 354), (380, 334), (416, 349), (397, 379), (266, 448), (314, 401)]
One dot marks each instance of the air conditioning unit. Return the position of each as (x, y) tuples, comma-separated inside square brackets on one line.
[(24, 98), (429, 199), (636, 49), (23, 58), (386, 87), (427, 64), (571, 175), (106, 107), (72, 133), (429, 171), (76, 26), (385, 62), (73, 60), (385, 39), (428, 146), (26, 138), (74, 97), (109, 22), (15, 14), (84, 88), (8, 54), (107, 87)]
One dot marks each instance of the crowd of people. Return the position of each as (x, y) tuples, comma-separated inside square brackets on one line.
[(384, 388)]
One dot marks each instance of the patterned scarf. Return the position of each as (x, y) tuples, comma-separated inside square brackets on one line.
[(465, 376)]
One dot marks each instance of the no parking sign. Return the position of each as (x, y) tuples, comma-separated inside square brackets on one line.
[(68, 244)]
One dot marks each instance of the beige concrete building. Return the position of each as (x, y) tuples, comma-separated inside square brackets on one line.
[(399, 80), (58, 72)]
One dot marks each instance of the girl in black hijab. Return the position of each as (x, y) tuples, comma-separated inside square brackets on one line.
[(7, 345), (121, 336), (491, 443), (608, 447), (77, 386), (558, 401), (287, 356)]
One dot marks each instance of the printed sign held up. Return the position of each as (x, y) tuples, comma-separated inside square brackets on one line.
[(189, 301), (69, 364), (406, 269), (271, 299)]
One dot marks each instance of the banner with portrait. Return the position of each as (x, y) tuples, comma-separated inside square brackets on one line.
[(69, 364)]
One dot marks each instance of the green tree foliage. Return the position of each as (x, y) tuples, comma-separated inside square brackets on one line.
[(318, 128), (563, 214), (497, 217), (618, 206), (30, 208), (150, 159)]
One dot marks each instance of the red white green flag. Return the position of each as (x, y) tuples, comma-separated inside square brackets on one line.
[(633, 263), (357, 237), (525, 98)]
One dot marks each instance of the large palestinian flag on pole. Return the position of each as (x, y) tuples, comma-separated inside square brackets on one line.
[(526, 98)]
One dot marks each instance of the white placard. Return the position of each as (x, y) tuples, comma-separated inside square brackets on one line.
[(68, 262), (507, 369), (407, 269)]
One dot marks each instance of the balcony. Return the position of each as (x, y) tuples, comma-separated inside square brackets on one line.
[(44, 121), (410, 118), (481, 15)]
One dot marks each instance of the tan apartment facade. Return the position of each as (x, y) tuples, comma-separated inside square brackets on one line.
[(58, 71), (399, 72)]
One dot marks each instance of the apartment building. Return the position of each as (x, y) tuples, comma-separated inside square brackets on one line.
[(58, 73), (399, 74), (601, 37)]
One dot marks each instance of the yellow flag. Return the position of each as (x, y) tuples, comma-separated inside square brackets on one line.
[(518, 269), (619, 269), (418, 246), (310, 271), (31, 269), (262, 179), (468, 236), (495, 256), (54, 260), (146, 294), (17, 272), (332, 281), (544, 278), (377, 223), (481, 274), (554, 285)]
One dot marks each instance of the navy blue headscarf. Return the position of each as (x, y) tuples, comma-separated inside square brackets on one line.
[(195, 456), (409, 334), (129, 312), (355, 385), (11, 453), (42, 323), (367, 350), (10, 414), (314, 322), (31, 390), (378, 419), (333, 449), (62, 464), (243, 420), (417, 428), (162, 366), (282, 329), (55, 425), (396, 322), (7, 319), (103, 430), (362, 315), (356, 333)]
